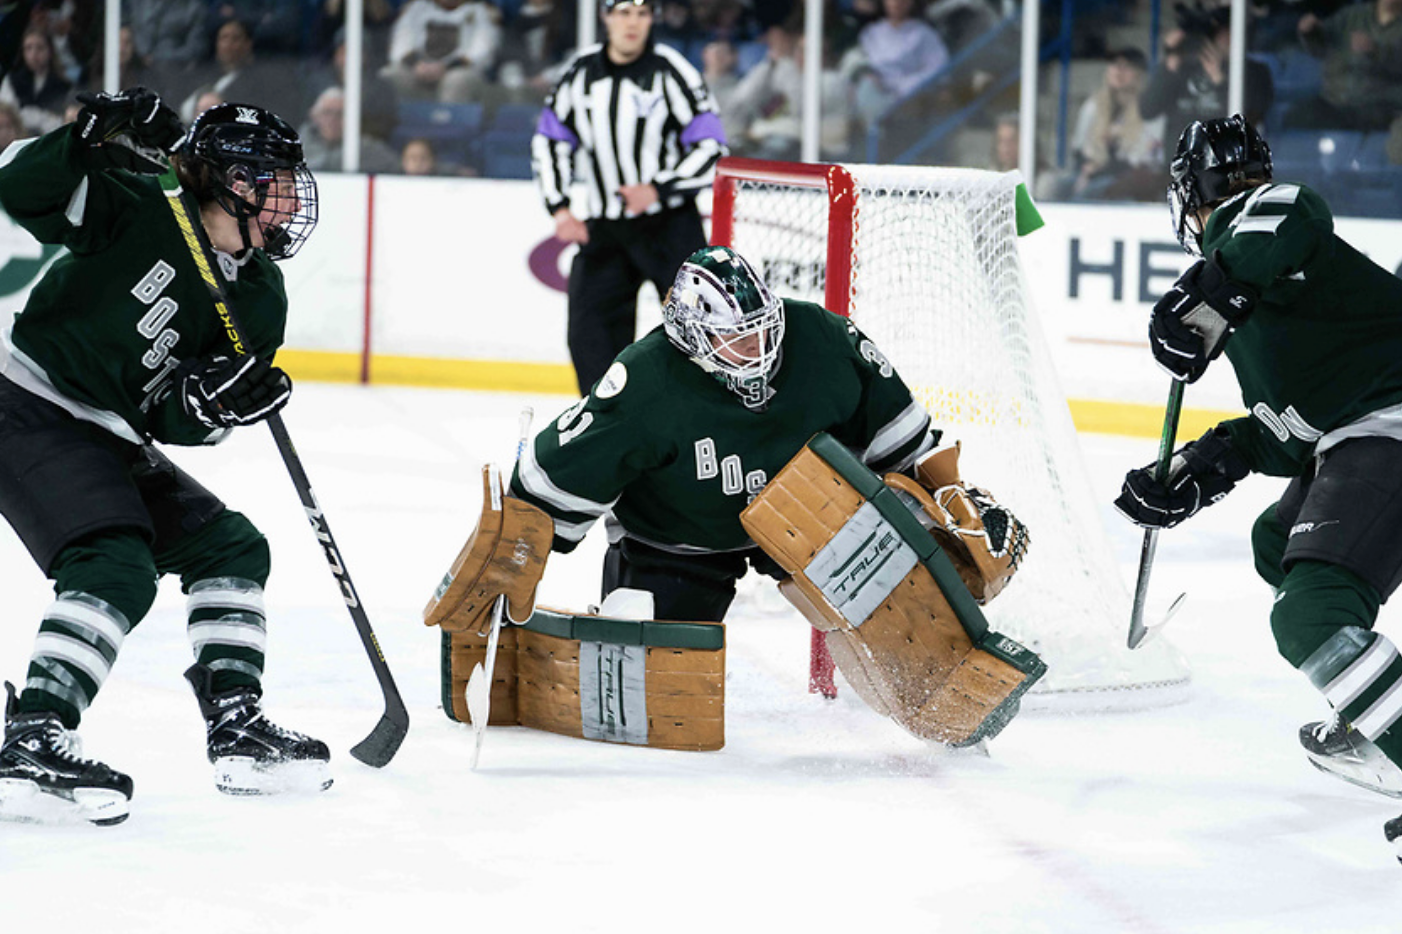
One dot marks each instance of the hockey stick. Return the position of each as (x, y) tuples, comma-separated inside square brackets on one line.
[(384, 740), (479, 683), (1138, 632)]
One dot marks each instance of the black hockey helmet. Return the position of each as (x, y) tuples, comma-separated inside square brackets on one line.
[(1215, 160), (237, 154), (608, 6)]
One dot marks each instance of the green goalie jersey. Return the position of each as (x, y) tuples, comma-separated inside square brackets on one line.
[(105, 327), (674, 456), (1323, 348)]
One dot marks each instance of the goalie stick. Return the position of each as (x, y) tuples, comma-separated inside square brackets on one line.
[(479, 683), (384, 740), (1138, 632)]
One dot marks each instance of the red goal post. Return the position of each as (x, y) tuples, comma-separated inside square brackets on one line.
[(841, 221)]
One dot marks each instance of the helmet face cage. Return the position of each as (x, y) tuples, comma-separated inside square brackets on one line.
[(253, 158), (722, 315), (1215, 160)]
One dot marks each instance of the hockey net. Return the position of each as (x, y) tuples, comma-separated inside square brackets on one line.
[(925, 260)]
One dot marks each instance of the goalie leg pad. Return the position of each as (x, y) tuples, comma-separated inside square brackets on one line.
[(505, 556), (901, 625), (642, 683)]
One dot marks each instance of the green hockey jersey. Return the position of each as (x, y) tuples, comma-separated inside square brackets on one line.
[(1323, 347), (105, 327), (674, 456)]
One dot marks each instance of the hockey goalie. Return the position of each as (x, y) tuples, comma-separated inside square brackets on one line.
[(738, 400)]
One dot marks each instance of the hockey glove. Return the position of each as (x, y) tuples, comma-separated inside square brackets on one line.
[(223, 392), (1191, 323), (1200, 473), (131, 130)]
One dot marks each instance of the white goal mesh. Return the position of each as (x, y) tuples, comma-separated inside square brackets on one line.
[(932, 275)]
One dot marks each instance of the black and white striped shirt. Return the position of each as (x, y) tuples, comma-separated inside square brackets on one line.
[(650, 121)]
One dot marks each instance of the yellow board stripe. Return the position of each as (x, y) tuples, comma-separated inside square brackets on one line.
[(1136, 420)]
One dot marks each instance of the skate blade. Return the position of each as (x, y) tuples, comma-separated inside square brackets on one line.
[(23, 801), (244, 776), (1379, 776)]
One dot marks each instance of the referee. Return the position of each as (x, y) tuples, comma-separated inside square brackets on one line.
[(639, 123)]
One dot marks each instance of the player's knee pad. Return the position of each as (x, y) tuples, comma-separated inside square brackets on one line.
[(229, 545), (1268, 538), (1316, 600), (114, 566)]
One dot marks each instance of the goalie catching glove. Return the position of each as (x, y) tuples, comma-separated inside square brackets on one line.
[(505, 556), (132, 130), (985, 542), (224, 393), (1191, 323), (1200, 473)]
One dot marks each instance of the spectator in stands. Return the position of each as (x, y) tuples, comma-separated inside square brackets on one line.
[(720, 66), (206, 100), (1275, 23), (902, 52), (75, 28), (1190, 82), (536, 39), (274, 25), (723, 19), (676, 25), (418, 158), (378, 20), (33, 86), (379, 105), (767, 105), (238, 75), (1007, 141), (764, 106), (1394, 141), (1361, 46), (324, 133), (11, 125), (1118, 155), (443, 49), (132, 69), (170, 33)]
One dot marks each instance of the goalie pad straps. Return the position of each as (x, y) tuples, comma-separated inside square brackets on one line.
[(505, 556), (985, 542)]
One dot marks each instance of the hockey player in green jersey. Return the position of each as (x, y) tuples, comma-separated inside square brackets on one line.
[(119, 347), (690, 422), (1313, 329)]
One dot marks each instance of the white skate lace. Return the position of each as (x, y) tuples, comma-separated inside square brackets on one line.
[(1323, 729)]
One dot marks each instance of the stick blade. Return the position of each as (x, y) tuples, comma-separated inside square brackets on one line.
[(377, 749), (1141, 635)]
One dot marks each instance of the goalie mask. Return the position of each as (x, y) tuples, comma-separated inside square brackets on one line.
[(250, 161), (1215, 160), (720, 313)]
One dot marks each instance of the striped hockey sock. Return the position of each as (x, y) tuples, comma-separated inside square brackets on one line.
[(1360, 672), (228, 630), (77, 644)]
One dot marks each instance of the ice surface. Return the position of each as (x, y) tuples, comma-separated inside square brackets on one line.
[(1204, 817)]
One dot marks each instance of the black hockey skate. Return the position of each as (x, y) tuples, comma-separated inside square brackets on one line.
[(252, 755), (1334, 746), (45, 780)]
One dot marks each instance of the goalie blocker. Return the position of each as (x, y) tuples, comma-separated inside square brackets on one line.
[(902, 621)]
